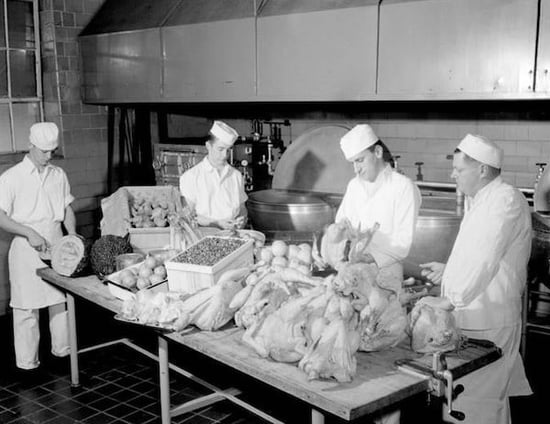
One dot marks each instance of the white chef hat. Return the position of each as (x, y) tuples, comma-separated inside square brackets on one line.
[(223, 132), (482, 149), (44, 135), (357, 139)]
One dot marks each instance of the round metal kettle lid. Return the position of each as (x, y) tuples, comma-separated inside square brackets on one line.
[(314, 162)]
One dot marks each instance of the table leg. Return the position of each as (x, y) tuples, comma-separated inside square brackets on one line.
[(164, 380), (317, 417), (72, 341)]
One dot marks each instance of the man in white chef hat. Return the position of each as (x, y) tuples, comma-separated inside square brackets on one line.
[(35, 201), (485, 276), (379, 194), (213, 188)]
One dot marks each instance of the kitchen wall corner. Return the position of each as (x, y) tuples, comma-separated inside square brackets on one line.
[(83, 127)]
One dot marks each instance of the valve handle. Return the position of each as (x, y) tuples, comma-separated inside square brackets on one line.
[(457, 415), (157, 164), (457, 390)]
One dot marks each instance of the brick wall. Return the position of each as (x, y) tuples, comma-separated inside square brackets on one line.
[(83, 127)]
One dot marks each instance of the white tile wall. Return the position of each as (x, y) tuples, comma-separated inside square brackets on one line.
[(430, 140)]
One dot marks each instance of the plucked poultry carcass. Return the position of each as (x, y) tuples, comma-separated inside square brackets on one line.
[(303, 329), (209, 309), (162, 309), (383, 318), (340, 244), (265, 298), (333, 354), (281, 335), (433, 327), (386, 330)]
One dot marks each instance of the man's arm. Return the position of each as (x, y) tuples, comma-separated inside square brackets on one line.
[(35, 240), (70, 220)]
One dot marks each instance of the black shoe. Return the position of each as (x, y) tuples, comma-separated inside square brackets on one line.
[(31, 378)]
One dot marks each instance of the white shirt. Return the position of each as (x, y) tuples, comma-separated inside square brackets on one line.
[(29, 197), (213, 194), (37, 200), (393, 201), (487, 269)]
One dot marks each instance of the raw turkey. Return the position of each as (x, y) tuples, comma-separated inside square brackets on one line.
[(433, 327)]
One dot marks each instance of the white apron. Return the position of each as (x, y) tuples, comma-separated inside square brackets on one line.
[(28, 290), (486, 391)]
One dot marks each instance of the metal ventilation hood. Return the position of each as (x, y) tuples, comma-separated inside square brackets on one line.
[(232, 50)]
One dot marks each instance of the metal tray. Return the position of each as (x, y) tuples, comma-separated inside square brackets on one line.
[(166, 329)]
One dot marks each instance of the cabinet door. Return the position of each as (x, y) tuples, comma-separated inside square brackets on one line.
[(210, 61), (453, 49), (317, 55), (121, 67), (543, 58)]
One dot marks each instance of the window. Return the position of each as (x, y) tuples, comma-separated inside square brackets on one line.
[(20, 85)]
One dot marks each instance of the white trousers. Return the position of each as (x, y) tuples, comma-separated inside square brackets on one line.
[(26, 334)]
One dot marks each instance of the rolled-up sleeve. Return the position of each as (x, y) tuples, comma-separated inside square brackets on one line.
[(67, 196), (188, 187), (6, 194)]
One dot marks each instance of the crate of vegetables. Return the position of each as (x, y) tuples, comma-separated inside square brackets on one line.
[(149, 274), (143, 212), (150, 208), (201, 264)]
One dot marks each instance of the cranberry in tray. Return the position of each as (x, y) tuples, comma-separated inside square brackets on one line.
[(209, 250), (201, 265)]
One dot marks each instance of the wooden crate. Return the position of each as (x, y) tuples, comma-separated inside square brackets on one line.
[(189, 278), (143, 240), (124, 293)]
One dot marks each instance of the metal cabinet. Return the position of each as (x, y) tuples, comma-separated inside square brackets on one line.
[(542, 82), (210, 62), (121, 66), (311, 51), (209, 51), (449, 49)]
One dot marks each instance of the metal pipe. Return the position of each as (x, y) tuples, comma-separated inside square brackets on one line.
[(452, 186)]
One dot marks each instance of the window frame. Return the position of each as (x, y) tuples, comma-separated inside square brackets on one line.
[(9, 100)]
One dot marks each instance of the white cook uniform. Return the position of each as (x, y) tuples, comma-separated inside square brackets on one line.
[(393, 201), (38, 201), (484, 279), (214, 195)]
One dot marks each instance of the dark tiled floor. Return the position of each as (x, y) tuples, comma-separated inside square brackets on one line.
[(119, 385)]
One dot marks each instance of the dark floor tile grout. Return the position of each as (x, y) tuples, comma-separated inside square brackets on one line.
[(53, 400)]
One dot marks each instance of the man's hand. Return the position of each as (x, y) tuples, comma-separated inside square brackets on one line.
[(37, 242), (226, 224), (433, 271), (240, 222), (436, 302)]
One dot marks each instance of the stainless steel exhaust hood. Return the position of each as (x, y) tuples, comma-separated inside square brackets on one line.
[(154, 51)]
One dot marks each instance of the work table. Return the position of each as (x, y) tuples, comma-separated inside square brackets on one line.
[(378, 382)]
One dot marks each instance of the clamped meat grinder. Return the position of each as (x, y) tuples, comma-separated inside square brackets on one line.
[(441, 380)]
